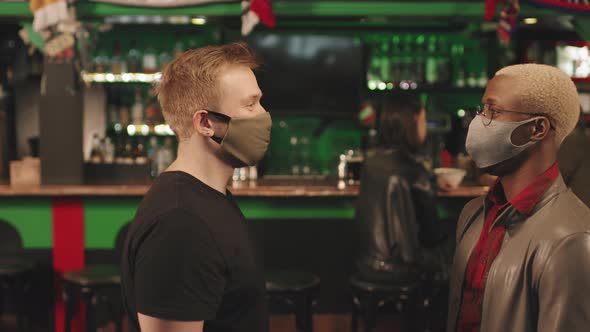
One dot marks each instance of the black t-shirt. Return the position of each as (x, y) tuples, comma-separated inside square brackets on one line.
[(189, 257)]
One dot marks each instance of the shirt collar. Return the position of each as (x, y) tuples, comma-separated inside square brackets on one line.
[(525, 201)]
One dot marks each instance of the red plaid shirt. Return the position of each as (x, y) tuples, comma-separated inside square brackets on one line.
[(490, 242)]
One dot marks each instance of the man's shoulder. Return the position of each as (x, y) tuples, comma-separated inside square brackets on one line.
[(565, 216), (470, 209)]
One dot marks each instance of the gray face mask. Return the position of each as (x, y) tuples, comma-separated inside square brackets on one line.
[(492, 144)]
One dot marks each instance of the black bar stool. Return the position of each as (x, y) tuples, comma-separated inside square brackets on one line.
[(90, 284), (96, 284), (298, 289), (14, 277), (368, 297)]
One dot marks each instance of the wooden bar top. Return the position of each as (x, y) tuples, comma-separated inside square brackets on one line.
[(262, 188)]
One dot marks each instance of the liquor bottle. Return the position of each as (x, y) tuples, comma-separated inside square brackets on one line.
[(150, 62), (134, 59), (396, 60), (127, 156), (137, 109), (385, 62), (109, 151), (431, 62), (96, 150), (119, 151), (165, 155), (420, 64), (124, 116), (152, 156), (151, 114), (101, 62), (164, 58), (117, 63), (178, 48), (443, 61), (141, 153)]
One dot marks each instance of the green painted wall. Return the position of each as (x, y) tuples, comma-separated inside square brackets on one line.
[(31, 217), (104, 217)]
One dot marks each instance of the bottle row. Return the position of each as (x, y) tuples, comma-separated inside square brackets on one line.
[(407, 62), (147, 61), (133, 151)]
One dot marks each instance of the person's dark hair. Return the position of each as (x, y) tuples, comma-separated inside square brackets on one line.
[(397, 122)]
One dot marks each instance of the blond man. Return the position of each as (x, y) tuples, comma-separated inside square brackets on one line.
[(523, 251), (188, 262)]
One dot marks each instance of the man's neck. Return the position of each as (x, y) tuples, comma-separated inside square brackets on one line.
[(203, 165), (516, 182)]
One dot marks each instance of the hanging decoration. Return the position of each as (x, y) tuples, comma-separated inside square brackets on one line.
[(508, 22), (253, 11), (577, 7)]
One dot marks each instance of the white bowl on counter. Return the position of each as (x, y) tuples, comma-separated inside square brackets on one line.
[(449, 178)]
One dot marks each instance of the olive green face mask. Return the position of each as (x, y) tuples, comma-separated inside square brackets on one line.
[(245, 139)]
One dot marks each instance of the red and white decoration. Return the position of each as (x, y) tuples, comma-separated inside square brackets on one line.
[(253, 11)]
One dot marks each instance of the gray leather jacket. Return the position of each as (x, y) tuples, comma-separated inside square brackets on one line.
[(540, 280)]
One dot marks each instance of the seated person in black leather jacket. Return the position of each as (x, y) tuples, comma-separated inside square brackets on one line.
[(396, 210)]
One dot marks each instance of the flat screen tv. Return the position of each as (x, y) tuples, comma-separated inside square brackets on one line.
[(308, 73)]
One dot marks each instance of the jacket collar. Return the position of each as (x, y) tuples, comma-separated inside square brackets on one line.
[(511, 215)]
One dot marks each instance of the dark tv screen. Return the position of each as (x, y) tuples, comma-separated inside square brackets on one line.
[(308, 73)]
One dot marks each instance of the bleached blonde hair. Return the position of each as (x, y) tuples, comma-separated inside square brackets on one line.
[(546, 90)]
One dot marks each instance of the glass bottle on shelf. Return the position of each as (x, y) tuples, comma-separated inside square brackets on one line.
[(101, 62), (134, 59), (374, 67), (112, 114), (150, 61), (152, 156), (124, 116), (443, 61), (472, 80), (151, 114), (137, 109), (431, 74), (119, 151), (460, 79), (127, 157), (96, 150), (385, 64), (117, 63), (164, 58), (141, 153), (407, 64), (112, 119), (420, 59), (109, 151), (178, 48), (165, 155), (457, 52), (482, 80), (396, 60)]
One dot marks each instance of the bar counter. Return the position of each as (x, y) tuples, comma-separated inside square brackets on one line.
[(262, 188), (298, 224)]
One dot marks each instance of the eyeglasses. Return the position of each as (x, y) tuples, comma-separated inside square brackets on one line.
[(488, 113)]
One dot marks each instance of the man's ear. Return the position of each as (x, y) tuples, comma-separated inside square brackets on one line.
[(202, 124), (540, 129)]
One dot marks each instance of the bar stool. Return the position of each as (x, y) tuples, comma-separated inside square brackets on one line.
[(93, 285), (368, 297), (14, 277), (15, 271), (299, 290), (89, 285)]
